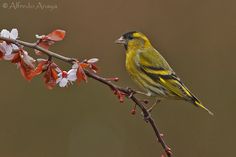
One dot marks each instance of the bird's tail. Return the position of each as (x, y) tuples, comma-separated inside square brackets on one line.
[(197, 103)]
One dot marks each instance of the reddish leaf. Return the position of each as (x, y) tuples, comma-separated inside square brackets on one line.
[(54, 74), (43, 44), (84, 65), (80, 74), (1, 55), (39, 69), (94, 68), (29, 61), (56, 35), (50, 39), (25, 70), (92, 64), (16, 58), (2, 52), (50, 77), (25, 64)]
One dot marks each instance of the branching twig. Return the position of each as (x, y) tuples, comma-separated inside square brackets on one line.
[(127, 91)]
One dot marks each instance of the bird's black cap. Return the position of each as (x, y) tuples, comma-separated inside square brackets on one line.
[(129, 35)]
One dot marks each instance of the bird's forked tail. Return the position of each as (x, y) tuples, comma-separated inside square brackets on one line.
[(197, 103)]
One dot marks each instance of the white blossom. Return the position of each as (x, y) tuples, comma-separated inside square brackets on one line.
[(9, 48), (12, 35), (64, 77)]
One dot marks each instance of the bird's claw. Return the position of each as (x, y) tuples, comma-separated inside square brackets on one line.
[(130, 91)]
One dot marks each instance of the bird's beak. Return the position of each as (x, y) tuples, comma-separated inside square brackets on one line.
[(121, 40)]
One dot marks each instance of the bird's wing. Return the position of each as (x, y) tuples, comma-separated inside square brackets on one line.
[(157, 68), (152, 58)]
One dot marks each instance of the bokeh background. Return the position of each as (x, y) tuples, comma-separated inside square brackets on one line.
[(196, 37)]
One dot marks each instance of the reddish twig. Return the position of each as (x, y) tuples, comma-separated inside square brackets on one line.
[(127, 91)]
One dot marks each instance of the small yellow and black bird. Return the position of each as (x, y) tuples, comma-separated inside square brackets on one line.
[(151, 71)]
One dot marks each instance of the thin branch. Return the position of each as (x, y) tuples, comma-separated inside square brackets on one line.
[(129, 92)]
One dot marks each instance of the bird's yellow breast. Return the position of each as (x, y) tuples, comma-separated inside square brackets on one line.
[(130, 62), (132, 67)]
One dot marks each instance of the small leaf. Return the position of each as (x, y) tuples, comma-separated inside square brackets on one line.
[(56, 35), (54, 74), (2, 51), (43, 44), (1, 55), (16, 58), (25, 70), (27, 59), (50, 77), (84, 65), (39, 69), (81, 74), (94, 68), (45, 41)]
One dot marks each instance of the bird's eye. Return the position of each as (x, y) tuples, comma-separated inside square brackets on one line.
[(130, 37)]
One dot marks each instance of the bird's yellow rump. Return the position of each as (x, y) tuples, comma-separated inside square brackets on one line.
[(151, 71)]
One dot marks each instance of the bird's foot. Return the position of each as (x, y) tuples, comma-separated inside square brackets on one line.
[(130, 91)]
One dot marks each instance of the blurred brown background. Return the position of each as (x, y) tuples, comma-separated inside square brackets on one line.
[(196, 37)]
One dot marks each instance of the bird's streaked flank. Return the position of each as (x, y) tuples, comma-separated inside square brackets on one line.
[(151, 71)]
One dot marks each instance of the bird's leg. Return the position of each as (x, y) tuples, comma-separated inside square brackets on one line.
[(156, 102), (150, 110), (132, 92)]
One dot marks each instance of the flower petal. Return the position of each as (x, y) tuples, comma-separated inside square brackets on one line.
[(28, 60), (72, 75), (59, 79), (14, 47), (5, 33), (63, 82), (75, 66), (14, 33), (8, 50), (9, 57), (71, 71), (2, 48)]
